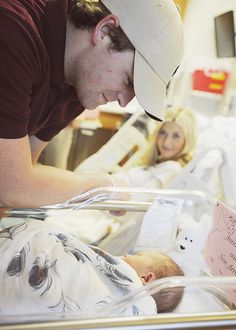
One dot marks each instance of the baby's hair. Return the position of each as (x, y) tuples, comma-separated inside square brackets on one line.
[(168, 299)]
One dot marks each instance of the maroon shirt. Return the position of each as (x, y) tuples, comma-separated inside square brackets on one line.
[(34, 98)]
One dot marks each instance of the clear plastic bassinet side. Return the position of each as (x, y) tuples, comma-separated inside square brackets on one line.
[(220, 315), (116, 234)]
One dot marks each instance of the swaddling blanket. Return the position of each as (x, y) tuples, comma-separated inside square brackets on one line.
[(43, 269)]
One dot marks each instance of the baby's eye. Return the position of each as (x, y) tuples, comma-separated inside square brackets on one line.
[(185, 238), (191, 240)]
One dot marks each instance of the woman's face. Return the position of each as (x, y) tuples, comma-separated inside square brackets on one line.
[(170, 140)]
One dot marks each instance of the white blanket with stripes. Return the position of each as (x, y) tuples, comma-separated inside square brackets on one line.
[(44, 270)]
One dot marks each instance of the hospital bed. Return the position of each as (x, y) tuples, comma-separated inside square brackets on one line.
[(211, 170), (127, 146), (206, 303)]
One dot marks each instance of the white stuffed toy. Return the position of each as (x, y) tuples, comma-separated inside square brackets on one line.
[(190, 243)]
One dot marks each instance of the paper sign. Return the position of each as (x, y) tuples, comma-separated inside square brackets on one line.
[(221, 245), (159, 227)]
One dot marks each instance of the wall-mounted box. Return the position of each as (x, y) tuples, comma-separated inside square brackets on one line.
[(211, 81)]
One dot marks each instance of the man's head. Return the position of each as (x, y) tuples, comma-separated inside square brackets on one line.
[(99, 58), (150, 266), (139, 46)]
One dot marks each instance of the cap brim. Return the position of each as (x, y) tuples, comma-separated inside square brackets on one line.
[(150, 89)]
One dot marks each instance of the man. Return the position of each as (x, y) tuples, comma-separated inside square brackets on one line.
[(59, 57)]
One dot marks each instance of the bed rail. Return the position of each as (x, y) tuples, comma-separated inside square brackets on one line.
[(217, 321), (109, 199), (105, 199), (210, 320)]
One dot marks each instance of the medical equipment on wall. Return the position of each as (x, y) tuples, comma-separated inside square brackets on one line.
[(205, 303)]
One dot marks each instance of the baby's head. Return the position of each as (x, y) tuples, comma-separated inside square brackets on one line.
[(150, 266)]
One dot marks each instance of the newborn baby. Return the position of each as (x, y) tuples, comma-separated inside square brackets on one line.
[(44, 269)]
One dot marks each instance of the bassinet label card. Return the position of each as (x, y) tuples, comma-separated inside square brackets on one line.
[(159, 227), (221, 245)]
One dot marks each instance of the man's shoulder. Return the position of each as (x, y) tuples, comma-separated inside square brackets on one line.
[(27, 12)]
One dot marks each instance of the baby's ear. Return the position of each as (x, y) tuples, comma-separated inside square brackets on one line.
[(148, 278)]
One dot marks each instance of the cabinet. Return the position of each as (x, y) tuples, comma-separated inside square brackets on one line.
[(88, 139), (86, 142)]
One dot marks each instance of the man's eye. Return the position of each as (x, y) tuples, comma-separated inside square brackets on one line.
[(130, 83)]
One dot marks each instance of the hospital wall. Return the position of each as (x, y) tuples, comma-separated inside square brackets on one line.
[(200, 53), (199, 27)]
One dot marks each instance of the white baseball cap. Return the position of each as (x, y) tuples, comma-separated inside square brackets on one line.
[(155, 29)]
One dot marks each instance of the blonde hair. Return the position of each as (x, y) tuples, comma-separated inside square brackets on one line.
[(185, 118)]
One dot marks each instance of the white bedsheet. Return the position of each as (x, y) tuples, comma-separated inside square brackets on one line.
[(89, 225), (156, 176)]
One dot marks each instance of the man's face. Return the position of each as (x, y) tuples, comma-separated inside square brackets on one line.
[(104, 75)]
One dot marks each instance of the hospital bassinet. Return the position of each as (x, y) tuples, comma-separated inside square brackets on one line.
[(206, 303)]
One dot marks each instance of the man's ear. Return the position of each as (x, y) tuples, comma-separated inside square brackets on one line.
[(102, 29), (148, 278)]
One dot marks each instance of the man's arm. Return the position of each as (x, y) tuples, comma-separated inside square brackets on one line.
[(36, 147), (24, 184)]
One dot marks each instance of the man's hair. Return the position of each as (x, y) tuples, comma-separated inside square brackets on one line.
[(85, 14), (168, 299)]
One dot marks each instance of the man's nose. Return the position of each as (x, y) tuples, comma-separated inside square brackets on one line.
[(125, 98)]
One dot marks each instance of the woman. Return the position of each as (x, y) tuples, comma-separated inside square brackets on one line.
[(171, 147)]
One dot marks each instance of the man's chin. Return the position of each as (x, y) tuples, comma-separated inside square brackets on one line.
[(93, 107)]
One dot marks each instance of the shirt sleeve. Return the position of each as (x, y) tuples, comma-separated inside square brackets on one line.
[(18, 71)]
